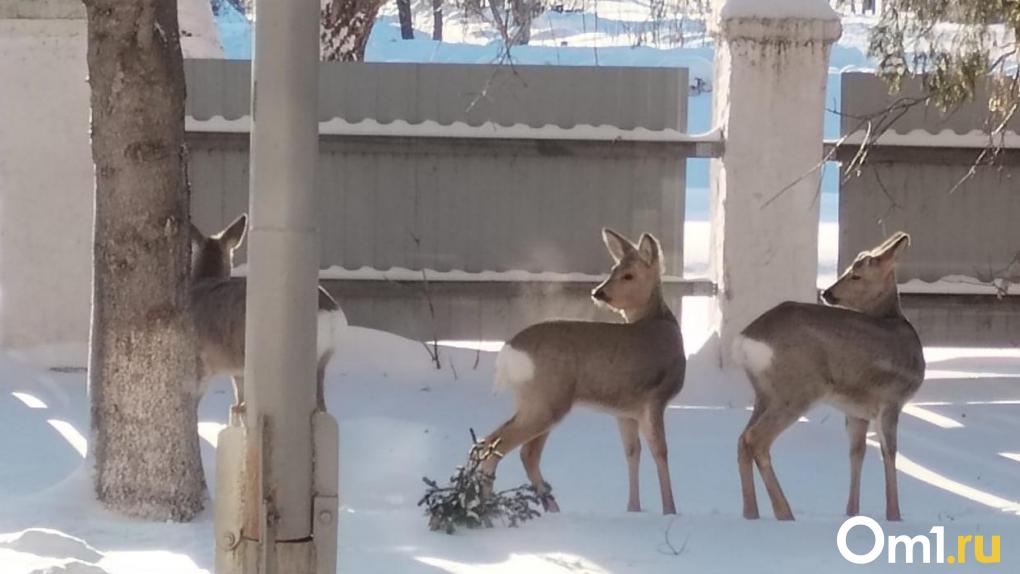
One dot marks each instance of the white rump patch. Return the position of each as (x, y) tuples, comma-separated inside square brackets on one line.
[(754, 356), (513, 368), (331, 325)]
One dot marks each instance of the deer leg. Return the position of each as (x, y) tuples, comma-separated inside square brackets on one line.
[(488, 466), (521, 428), (888, 420), (857, 430), (744, 463), (632, 450), (653, 428), (760, 437), (320, 381), (237, 409), (531, 455)]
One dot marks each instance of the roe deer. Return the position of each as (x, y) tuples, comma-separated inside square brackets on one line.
[(859, 354), (218, 307), (631, 370)]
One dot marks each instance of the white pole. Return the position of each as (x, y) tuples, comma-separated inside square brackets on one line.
[(283, 258), (277, 497)]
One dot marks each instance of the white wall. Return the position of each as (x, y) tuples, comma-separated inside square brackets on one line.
[(199, 36), (46, 179), (45, 182)]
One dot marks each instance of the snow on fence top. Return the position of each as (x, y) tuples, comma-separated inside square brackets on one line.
[(488, 130), (975, 139), (778, 9), (457, 275)]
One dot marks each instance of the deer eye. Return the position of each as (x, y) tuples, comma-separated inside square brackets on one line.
[(855, 277), (628, 277)]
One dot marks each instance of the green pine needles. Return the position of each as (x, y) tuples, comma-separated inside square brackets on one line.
[(464, 503)]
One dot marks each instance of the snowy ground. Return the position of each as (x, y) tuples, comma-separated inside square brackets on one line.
[(401, 419)]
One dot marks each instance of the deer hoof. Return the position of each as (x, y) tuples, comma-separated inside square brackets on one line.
[(549, 503)]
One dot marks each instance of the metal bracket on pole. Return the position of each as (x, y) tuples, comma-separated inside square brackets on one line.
[(261, 543), (326, 504), (229, 502), (243, 528)]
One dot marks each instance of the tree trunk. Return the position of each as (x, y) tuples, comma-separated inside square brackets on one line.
[(437, 20), (522, 12), (499, 16), (346, 25), (142, 361), (406, 22)]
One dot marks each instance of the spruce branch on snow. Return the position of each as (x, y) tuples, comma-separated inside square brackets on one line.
[(464, 503)]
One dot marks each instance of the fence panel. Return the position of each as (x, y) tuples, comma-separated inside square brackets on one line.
[(486, 219), (921, 178)]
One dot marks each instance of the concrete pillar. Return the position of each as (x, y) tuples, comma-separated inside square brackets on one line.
[(771, 67), (46, 184)]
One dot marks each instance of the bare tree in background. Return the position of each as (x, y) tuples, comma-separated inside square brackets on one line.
[(866, 5), (514, 25), (346, 25), (142, 361), (523, 13), (437, 20), (406, 21), (499, 15)]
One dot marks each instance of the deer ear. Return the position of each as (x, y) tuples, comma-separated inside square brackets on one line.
[(197, 237), (891, 249), (618, 245), (649, 250), (233, 235)]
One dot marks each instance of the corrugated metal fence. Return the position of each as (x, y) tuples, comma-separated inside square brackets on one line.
[(964, 225), (450, 193)]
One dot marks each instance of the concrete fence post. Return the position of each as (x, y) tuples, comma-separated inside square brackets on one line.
[(771, 66)]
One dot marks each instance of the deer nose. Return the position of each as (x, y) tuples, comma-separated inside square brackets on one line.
[(829, 297), (600, 295)]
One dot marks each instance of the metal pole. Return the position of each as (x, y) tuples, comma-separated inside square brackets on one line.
[(277, 488), (283, 261)]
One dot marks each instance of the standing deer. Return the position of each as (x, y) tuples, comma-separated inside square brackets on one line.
[(218, 309), (631, 370), (859, 354)]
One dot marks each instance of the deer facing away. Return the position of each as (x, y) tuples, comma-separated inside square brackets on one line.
[(218, 310), (631, 370), (859, 354)]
